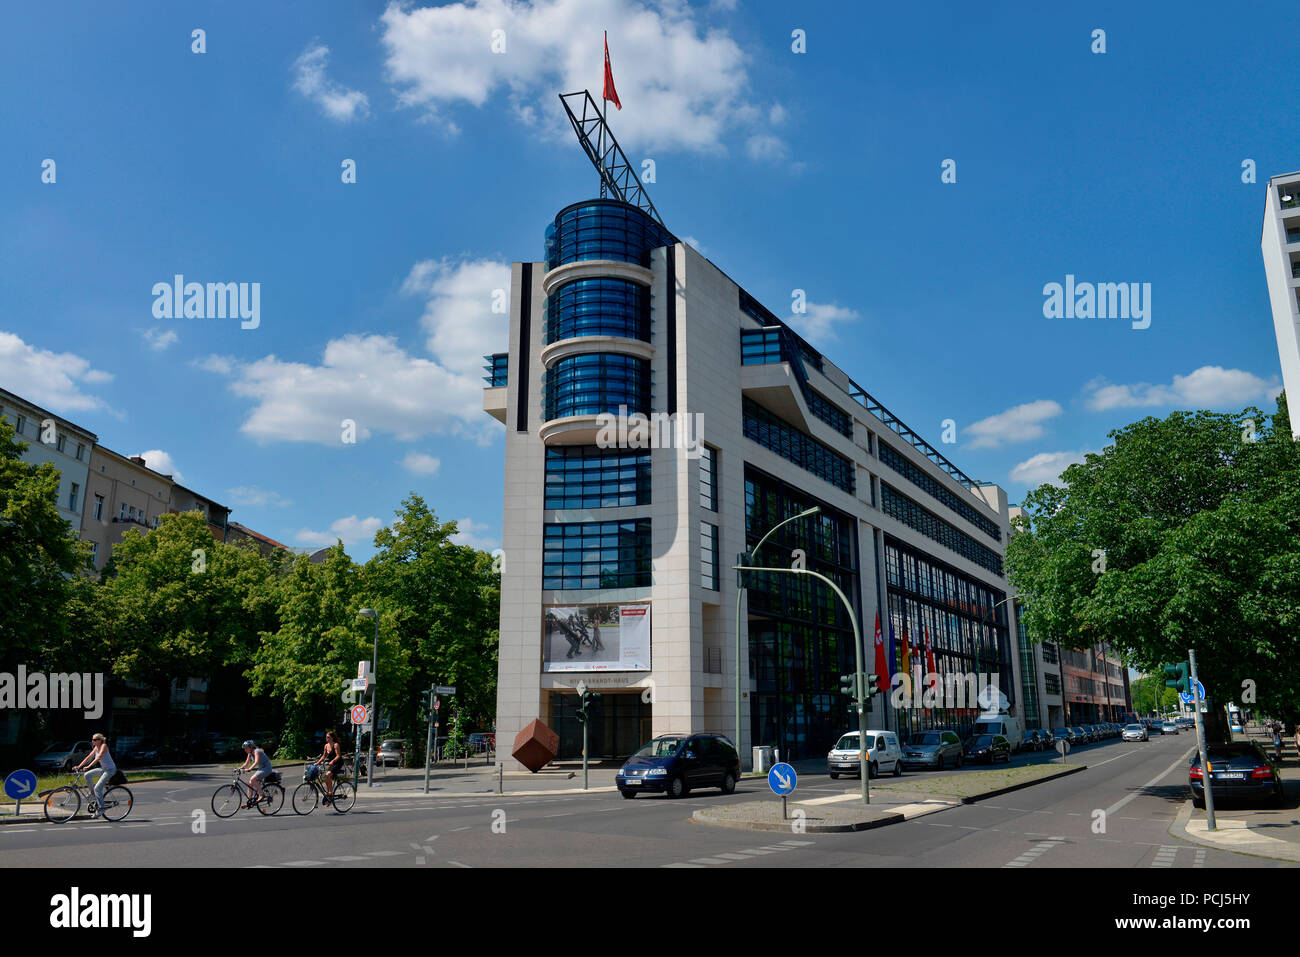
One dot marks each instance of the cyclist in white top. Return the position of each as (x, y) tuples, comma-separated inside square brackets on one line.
[(106, 770), (260, 764)]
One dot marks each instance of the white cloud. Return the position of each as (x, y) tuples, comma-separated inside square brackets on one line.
[(818, 321), (50, 379), (470, 533), (252, 495), (1045, 467), (159, 339), (160, 461), (765, 146), (338, 102), (421, 464), (692, 241), (683, 86), (378, 384), (1208, 387), (352, 530), (776, 115), (1017, 424)]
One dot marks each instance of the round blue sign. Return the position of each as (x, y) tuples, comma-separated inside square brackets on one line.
[(21, 785), (782, 779)]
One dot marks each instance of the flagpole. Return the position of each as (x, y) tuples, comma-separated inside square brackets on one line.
[(604, 115)]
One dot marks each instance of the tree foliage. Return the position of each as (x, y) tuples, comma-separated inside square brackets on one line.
[(1195, 519)]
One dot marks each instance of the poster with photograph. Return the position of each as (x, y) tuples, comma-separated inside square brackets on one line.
[(597, 638)]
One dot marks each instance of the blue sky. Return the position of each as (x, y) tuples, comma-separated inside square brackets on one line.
[(817, 171)]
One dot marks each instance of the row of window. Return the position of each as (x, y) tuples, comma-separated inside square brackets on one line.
[(709, 555), (60, 441), (589, 477), (598, 307), (497, 367), (897, 505), (589, 555), (926, 483), (604, 229), (795, 446), (597, 382), (829, 413), (769, 346)]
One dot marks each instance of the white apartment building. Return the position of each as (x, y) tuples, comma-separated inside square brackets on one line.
[(1280, 245), (618, 561), (52, 438)]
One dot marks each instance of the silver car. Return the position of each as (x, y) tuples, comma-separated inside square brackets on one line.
[(1135, 732), (933, 750)]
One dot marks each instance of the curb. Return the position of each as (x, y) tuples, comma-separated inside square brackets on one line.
[(1179, 830), (807, 828), (1025, 784)]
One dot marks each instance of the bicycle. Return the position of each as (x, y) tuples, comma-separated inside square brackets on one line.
[(63, 803), (228, 799), (312, 791)]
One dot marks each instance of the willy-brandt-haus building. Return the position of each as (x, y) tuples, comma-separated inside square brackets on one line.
[(660, 421)]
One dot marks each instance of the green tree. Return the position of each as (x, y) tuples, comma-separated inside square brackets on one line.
[(1183, 533), (310, 657), (40, 558), (1150, 694), (443, 600), (180, 603)]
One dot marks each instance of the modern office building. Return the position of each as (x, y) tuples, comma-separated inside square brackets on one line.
[(620, 534), (52, 438), (1280, 245)]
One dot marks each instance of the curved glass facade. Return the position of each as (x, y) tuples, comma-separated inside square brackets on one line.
[(598, 307), (597, 382), (603, 229)]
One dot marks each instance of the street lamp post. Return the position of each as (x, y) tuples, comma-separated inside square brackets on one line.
[(374, 696), (740, 591), (864, 765)]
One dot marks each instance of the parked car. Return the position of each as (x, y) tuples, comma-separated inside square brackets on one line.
[(933, 750), (62, 756), (988, 748), (1081, 733), (1135, 732), (392, 751), (678, 763), (883, 754), (1241, 771), (1066, 734), (1034, 740), (1049, 740), (1007, 725), (146, 752), (1168, 728)]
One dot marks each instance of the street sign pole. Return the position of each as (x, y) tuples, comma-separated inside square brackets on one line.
[(428, 739), (1200, 744)]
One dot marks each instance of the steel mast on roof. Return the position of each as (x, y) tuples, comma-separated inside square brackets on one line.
[(616, 173)]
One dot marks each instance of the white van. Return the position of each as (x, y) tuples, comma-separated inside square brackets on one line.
[(1007, 725), (883, 754)]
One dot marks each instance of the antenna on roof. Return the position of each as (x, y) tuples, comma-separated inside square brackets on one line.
[(597, 140)]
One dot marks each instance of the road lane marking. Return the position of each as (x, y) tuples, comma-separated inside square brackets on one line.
[(304, 863), (1123, 801), (1165, 857), (346, 858)]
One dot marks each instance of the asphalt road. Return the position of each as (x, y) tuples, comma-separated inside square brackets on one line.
[(1140, 787)]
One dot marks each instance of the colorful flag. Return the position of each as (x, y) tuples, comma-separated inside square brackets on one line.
[(907, 654), (610, 93), (882, 666), (893, 647)]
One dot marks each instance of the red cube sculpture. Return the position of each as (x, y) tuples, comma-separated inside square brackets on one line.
[(536, 746)]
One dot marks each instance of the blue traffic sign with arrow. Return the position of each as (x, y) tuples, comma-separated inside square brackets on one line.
[(20, 785), (782, 779)]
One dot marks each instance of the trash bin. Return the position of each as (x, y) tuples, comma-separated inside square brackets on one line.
[(763, 759)]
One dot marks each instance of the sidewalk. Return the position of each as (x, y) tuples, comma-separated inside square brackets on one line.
[(1260, 831)]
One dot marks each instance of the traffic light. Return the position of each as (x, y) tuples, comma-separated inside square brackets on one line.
[(1178, 676), (585, 700), (849, 685), (873, 685)]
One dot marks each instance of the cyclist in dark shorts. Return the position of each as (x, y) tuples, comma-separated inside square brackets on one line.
[(332, 760)]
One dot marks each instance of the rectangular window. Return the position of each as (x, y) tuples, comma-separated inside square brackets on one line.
[(81, 452), (20, 424), (709, 479), (99, 508), (588, 477), (791, 444), (122, 513), (72, 496), (131, 513), (94, 554), (593, 555), (709, 555), (61, 443)]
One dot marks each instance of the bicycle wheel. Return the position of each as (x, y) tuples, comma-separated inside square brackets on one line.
[(117, 803), (304, 798), (62, 805), (272, 799), (344, 797), (226, 800)]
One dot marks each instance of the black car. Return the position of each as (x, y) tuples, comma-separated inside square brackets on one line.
[(1239, 771), (1034, 740), (678, 763), (988, 747), (1047, 738)]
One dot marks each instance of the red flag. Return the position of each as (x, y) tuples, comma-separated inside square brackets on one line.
[(882, 666), (929, 654), (610, 92)]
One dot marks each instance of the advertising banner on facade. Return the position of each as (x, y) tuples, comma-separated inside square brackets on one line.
[(597, 638)]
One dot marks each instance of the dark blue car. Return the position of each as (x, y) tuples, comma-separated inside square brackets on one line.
[(677, 763)]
